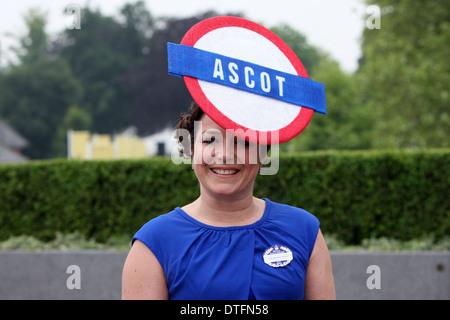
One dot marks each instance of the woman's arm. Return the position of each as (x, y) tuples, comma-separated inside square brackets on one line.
[(319, 283), (143, 277)]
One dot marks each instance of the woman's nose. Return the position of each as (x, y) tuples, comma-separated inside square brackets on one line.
[(226, 152)]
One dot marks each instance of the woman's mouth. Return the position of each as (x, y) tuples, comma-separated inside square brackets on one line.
[(227, 172)]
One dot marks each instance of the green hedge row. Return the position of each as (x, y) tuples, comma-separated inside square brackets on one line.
[(362, 195), (356, 195)]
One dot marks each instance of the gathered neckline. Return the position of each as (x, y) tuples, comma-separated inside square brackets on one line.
[(229, 228)]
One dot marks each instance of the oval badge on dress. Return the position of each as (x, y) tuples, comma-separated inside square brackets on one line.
[(278, 256)]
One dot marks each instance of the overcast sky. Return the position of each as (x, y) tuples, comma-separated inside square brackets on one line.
[(333, 25)]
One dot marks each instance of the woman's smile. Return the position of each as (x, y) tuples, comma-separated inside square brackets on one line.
[(225, 171)]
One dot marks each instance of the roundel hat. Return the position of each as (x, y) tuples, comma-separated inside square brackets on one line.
[(246, 79)]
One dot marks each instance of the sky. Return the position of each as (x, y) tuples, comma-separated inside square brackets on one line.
[(335, 26)]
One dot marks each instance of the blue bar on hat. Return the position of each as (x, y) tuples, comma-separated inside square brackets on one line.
[(243, 75)]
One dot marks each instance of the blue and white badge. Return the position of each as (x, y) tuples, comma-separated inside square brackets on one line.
[(246, 79), (278, 256)]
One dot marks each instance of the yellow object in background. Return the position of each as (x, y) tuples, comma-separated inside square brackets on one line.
[(77, 144), (84, 146), (102, 148)]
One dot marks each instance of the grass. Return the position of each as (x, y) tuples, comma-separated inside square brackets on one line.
[(387, 244), (76, 241), (64, 242)]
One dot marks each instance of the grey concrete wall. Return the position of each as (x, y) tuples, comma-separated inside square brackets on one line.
[(424, 275), (43, 275)]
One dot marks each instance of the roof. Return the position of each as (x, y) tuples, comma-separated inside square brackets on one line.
[(7, 155), (10, 138)]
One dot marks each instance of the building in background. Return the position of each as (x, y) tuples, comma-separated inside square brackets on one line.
[(11, 144), (161, 143), (83, 145)]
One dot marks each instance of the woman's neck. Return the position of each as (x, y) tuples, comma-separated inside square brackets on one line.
[(226, 212)]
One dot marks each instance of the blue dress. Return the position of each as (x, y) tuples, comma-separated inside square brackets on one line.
[(266, 260)]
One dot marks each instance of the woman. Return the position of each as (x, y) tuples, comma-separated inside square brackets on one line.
[(228, 244)]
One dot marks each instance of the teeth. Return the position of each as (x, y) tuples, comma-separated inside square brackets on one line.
[(225, 171)]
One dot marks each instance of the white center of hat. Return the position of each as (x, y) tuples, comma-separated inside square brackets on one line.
[(248, 109)]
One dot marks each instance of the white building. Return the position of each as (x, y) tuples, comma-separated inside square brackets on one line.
[(160, 143)]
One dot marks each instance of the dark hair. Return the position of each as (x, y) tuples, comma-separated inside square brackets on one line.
[(187, 119), (186, 122)]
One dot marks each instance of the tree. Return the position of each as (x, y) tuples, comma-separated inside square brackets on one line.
[(33, 45), (36, 92), (75, 119), (405, 73), (160, 98), (309, 55), (347, 124), (100, 53), (137, 27)]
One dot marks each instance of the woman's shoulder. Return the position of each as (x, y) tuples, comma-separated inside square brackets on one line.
[(292, 216), (160, 224), (158, 228), (290, 210), (295, 221), (161, 220)]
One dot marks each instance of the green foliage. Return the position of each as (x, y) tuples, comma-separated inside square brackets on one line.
[(308, 54), (389, 244), (75, 119), (71, 241), (363, 195), (36, 93), (98, 199), (355, 195), (114, 69), (33, 45), (81, 67), (100, 54), (34, 100), (77, 241), (348, 123), (405, 73)]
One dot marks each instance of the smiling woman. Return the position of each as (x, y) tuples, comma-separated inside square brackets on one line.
[(225, 172), (228, 244), (215, 140)]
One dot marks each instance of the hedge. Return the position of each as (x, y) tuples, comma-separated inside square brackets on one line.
[(362, 195), (356, 195)]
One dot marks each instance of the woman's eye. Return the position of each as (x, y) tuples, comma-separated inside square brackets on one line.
[(241, 142), (209, 140)]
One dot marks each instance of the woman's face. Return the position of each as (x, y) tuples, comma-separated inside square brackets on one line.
[(224, 165)]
